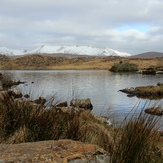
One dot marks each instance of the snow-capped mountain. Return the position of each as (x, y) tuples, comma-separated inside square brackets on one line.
[(74, 50), (12, 52), (78, 50)]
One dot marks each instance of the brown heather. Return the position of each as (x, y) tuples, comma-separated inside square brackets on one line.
[(61, 62)]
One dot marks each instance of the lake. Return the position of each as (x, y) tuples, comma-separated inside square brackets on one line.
[(101, 86)]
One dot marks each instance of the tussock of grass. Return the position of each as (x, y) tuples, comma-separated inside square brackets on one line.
[(22, 121), (150, 90), (93, 131), (135, 140)]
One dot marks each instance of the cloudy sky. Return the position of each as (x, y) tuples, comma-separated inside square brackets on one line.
[(132, 26)]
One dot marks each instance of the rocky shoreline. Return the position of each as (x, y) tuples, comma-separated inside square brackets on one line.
[(65, 150), (75, 125)]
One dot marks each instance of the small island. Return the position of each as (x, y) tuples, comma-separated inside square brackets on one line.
[(150, 92)]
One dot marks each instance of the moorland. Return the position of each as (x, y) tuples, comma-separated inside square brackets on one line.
[(61, 62)]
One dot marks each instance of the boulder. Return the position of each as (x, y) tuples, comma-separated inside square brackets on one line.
[(159, 84), (62, 104), (159, 72), (82, 103), (149, 71), (66, 151), (15, 92), (130, 91), (40, 101), (26, 96), (154, 111)]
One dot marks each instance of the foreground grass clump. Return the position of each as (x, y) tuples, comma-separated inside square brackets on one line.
[(134, 142), (7, 79), (22, 121), (124, 67)]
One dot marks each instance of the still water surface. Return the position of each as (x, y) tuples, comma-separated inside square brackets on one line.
[(101, 86)]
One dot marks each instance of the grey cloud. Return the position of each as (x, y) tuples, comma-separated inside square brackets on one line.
[(27, 24)]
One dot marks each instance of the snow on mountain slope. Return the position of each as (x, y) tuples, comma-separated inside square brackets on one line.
[(76, 50), (11, 52)]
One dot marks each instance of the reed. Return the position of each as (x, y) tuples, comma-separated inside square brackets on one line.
[(135, 139), (22, 121)]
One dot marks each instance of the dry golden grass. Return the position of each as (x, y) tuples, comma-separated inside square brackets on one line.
[(101, 63), (76, 62), (145, 63)]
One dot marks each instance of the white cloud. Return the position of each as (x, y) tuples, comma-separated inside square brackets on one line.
[(27, 24)]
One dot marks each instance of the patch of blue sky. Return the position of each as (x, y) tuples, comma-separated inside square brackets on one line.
[(138, 27)]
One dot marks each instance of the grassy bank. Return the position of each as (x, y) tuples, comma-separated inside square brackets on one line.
[(36, 61), (134, 141)]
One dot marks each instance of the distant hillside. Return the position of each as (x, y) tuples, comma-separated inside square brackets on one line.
[(148, 55)]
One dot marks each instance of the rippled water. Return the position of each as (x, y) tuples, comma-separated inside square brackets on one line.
[(101, 86)]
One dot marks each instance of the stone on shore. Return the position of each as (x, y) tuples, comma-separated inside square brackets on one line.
[(61, 151), (40, 101), (82, 103), (62, 104), (15, 93)]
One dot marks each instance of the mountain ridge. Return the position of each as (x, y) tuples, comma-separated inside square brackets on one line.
[(73, 50)]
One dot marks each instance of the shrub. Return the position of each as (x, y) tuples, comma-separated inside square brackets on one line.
[(124, 67)]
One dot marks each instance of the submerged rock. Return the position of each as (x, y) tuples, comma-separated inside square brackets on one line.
[(26, 96), (130, 91), (159, 72), (150, 71), (159, 84)]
